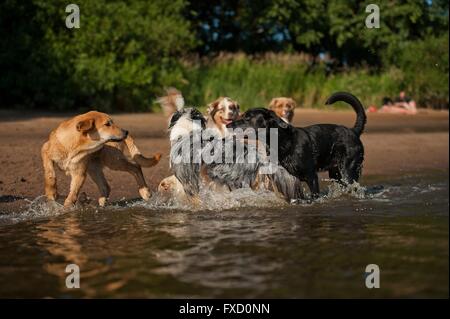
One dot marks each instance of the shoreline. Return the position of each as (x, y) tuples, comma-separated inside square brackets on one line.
[(394, 145)]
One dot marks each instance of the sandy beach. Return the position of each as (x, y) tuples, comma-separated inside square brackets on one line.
[(394, 145)]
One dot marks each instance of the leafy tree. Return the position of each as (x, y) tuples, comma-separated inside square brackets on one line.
[(315, 26), (126, 51), (122, 53), (232, 25), (426, 70), (400, 21), (302, 24)]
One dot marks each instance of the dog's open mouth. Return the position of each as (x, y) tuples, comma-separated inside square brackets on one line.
[(226, 121)]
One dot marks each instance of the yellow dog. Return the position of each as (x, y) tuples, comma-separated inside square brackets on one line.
[(85, 144)]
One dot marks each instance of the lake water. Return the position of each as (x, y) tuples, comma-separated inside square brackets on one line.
[(244, 244)]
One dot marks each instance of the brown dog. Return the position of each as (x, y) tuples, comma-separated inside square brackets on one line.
[(85, 144), (283, 107)]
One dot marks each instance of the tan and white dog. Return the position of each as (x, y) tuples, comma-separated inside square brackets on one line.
[(189, 177), (284, 107), (85, 144), (221, 112)]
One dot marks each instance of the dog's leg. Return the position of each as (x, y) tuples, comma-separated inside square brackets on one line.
[(120, 163), (335, 174), (78, 176), (95, 171), (286, 185), (49, 174), (351, 171), (313, 184), (297, 190), (136, 171), (138, 157)]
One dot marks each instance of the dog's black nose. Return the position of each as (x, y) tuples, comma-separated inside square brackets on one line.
[(125, 132)]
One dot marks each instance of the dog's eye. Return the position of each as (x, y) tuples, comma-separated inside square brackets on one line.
[(108, 124)]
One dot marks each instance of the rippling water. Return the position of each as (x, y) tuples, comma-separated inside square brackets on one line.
[(243, 244)]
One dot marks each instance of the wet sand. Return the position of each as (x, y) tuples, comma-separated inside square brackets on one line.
[(394, 144)]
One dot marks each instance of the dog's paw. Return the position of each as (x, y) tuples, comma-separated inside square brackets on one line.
[(69, 205), (145, 193), (102, 201), (157, 157)]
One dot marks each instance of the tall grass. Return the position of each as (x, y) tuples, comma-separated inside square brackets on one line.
[(254, 81)]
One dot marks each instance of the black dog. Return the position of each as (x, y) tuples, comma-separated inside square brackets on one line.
[(322, 147), (237, 172)]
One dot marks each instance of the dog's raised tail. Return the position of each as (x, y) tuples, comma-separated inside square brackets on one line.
[(136, 155), (361, 117), (173, 101)]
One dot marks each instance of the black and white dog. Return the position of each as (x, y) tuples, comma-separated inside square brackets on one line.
[(198, 158), (322, 147)]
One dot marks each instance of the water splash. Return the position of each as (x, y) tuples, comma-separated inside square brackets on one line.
[(337, 190), (37, 208), (241, 199), (211, 200)]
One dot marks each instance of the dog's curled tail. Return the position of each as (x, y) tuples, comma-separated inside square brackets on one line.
[(361, 117), (138, 157), (173, 101)]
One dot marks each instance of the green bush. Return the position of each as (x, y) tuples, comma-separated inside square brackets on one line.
[(254, 81), (424, 65), (126, 52), (118, 58)]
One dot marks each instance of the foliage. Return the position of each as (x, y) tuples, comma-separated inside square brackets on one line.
[(120, 54), (425, 67), (127, 51), (254, 81), (315, 26)]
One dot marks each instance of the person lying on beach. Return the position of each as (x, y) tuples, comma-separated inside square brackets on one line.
[(402, 105)]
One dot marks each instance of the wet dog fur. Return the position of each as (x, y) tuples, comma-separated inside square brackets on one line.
[(84, 145), (224, 175), (322, 147)]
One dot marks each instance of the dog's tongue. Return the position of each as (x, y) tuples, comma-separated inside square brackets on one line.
[(227, 121)]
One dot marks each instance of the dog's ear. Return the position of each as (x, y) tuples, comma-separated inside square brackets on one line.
[(213, 105), (174, 118), (292, 103), (85, 125), (273, 103)]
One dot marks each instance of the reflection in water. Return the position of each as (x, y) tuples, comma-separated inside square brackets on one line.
[(308, 250), (60, 238)]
